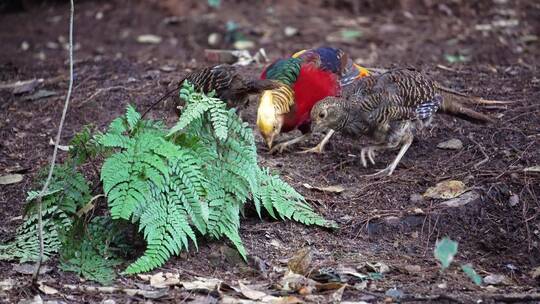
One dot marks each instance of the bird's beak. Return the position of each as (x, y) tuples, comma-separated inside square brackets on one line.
[(269, 140)]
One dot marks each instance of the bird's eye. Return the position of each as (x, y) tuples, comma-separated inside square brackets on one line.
[(322, 114)]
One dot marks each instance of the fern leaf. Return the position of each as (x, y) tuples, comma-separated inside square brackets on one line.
[(289, 204), (191, 113), (166, 230), (219, 118), (132, 117), (25, 247)]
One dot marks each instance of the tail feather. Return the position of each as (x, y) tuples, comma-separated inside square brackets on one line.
[(455, 108), (471, 99)]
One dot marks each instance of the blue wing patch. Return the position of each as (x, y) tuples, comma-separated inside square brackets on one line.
[(428, 108)]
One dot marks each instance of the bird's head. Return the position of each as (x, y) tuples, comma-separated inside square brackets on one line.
[(328, 113), (273, 105)]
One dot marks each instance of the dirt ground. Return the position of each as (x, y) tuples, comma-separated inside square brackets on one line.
[(484, 48)]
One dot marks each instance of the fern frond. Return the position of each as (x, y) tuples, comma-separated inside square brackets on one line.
[(191, 113), (25, 247), (87, 250), (187, 183), (132, 117), (219, 118), (278, 196), (166, 230)]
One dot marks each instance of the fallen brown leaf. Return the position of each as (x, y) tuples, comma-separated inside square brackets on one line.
[(46, 289), (11, 179), (446, 189), (334, 189), (297, 283), (301, 261), (160, 280), (250, 293)]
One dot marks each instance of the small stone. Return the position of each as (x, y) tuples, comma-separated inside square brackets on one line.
[(41, 56), (99, 15), (25, 46), (494, 279), (462, 200), (412, 269), (26, 86), (149, 39), (290, 31), (244, 44), (214, 39), (52, 45), (40, 94), (536, 273), (452, 144), (392, 220), (167, 68), (394, 293), (416, 198), (513, 200), (442, 286)]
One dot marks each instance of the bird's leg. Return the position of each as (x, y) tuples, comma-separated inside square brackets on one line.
[(320, 147), (390, 169), (284, 145)]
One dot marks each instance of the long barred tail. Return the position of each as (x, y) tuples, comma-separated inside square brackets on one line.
[(450, 105), (455, 103), (471, 99)]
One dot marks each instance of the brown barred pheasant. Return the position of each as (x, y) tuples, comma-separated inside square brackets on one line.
[(390, 108), (228, 84)]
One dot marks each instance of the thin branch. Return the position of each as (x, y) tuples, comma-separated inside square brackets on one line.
[(55, 151)]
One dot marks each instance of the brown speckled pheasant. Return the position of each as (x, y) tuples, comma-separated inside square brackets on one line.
[(390, 108), (228, 84)]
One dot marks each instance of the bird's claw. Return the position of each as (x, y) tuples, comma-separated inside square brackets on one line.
[(279, 148), (317, 149), (384, 172), (370, 151)]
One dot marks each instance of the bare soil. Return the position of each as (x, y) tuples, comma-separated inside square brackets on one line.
[(379, 222)]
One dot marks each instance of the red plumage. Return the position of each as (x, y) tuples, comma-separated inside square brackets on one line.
[(311, 86)]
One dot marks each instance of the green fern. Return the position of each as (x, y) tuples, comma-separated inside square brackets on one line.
[(88, 250), (25, 247), (279, 197), (175, 185), (166, 230), (68, 192)]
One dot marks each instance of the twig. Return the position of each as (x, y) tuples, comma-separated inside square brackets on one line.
[(515, 297), (430, 298), (163, 98), (55, 151), (101, 90), (486, 157)]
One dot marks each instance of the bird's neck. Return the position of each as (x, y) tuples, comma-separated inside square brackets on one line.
[(311, 86)]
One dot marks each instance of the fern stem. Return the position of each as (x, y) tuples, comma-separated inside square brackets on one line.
[(55, 151)]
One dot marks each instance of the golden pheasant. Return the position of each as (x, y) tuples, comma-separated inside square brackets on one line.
[(390, 109), (304, 79)]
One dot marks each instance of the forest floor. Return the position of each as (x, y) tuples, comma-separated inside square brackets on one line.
[(485, 48)]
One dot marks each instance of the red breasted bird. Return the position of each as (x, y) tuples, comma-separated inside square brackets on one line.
[(304, 79), (390, 109)]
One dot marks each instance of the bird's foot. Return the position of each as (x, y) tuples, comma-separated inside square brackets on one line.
[(384, 172), (317, 149), (370, 152), (279, 148)]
